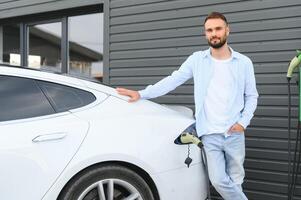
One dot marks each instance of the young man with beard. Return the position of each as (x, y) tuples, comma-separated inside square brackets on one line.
[(225, 97)]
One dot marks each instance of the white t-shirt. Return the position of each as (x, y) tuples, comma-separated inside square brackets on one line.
[(219, 93)]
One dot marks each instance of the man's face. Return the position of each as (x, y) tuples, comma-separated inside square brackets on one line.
[(216, 31)]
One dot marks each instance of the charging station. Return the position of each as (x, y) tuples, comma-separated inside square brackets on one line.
[(294, 154)]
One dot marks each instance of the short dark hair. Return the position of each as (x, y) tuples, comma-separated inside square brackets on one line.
[(216, 15)]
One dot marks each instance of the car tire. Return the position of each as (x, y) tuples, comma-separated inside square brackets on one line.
[(110, 182)]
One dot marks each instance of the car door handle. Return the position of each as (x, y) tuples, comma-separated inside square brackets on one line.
[(49, 137)]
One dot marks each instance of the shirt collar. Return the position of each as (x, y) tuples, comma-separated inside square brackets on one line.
[(234, 53)]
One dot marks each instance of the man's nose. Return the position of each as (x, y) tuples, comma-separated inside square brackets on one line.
[(213, 33)]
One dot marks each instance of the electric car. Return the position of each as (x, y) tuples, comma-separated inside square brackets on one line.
[(66, 138)]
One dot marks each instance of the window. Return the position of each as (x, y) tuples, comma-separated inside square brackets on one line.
[(45, 46), (86, 45), (69, 41), (10, 44), (21, 98), (64, 98)]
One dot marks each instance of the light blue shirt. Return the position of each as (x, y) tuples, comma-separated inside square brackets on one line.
[(198, 66)]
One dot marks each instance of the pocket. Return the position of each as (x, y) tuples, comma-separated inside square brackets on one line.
[(237, 133)]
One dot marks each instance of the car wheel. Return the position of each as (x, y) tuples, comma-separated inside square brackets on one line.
[(111, 182)]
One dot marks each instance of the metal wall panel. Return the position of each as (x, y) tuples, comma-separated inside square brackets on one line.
[(10, 8), (148, 39)]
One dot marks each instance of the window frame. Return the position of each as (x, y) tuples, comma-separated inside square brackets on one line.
[(24, 43), (48, 17)]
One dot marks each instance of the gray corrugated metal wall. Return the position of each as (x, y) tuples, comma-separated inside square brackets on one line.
[(151, 38), (13, 8)]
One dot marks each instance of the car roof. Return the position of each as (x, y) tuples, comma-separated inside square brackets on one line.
[(32, 73), (58, 78)]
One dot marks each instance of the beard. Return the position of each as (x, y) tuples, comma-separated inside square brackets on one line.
[(217, 45)]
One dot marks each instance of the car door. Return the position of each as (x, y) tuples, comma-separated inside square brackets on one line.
[(36, 141)]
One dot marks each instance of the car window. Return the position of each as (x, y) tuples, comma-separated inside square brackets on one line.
[(64, 98), (21, 98)]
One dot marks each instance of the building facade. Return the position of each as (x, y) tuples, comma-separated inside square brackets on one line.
[(145, 40)]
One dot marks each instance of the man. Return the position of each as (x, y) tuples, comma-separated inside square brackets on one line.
[(225, 97)]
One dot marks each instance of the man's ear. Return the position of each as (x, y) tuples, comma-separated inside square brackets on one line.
[(228, 30)]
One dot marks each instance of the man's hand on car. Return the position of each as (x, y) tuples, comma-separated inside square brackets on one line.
[(134, 95)]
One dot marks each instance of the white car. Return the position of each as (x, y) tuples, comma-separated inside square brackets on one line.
[(67, 138)]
